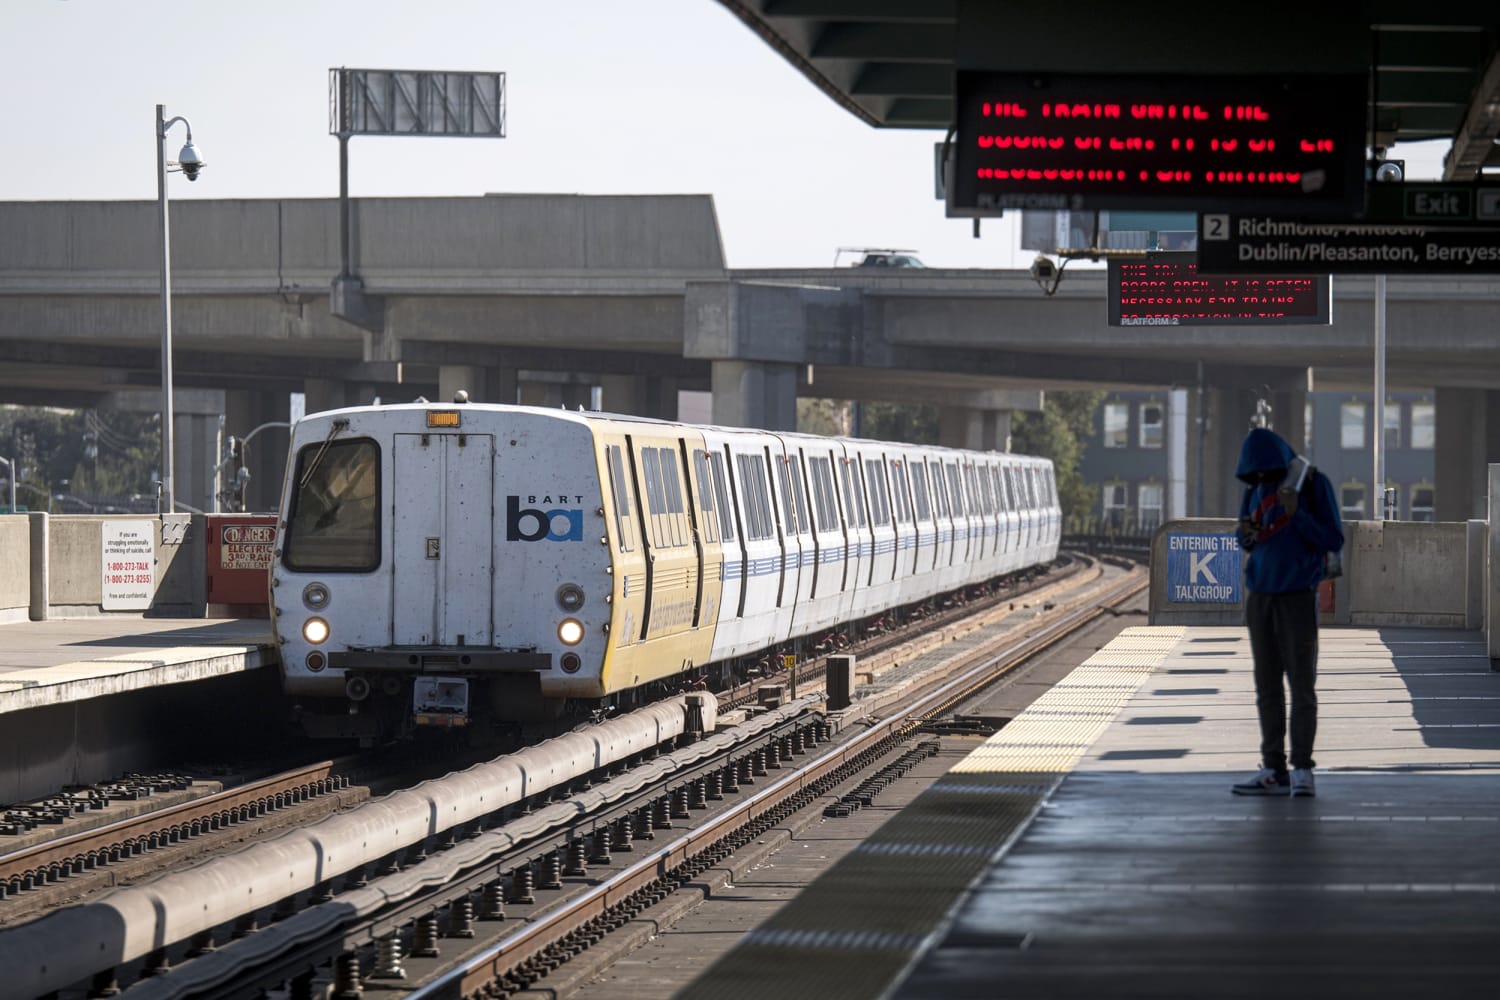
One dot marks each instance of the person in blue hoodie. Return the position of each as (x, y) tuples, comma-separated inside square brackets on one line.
[(1286, 533)]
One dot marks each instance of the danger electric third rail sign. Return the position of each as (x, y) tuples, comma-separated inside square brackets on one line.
[(1283, 143)]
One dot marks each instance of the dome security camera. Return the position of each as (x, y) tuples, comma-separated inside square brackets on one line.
[(1043, 269), (1388, 173), (191, 161)]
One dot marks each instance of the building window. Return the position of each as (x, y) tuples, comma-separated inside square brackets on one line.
[(1392, 420), (1307, 426), (1423, 502), (1116, 425), (1153, 419), (1149, 501), (1352, 501), (1114, 505), (1352, 426), (1423, 425)]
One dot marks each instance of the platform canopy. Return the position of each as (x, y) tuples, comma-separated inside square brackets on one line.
[(893, 63)]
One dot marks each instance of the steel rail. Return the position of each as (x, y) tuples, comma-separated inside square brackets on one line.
[(88, 849), (577, 918)]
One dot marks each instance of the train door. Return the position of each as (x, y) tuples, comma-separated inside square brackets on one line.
[(442, 543)]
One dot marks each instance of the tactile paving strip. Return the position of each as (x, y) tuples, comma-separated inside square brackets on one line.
[(866, 920)]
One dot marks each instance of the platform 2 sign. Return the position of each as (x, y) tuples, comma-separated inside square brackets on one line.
[(1234, 244), (1203, 569), (1167, 289), (1253, 143)]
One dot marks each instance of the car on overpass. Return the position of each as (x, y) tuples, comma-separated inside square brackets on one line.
[(875, 257)]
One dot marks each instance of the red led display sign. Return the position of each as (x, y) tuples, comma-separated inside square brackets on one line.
[(1165, 289), (1275, 144)]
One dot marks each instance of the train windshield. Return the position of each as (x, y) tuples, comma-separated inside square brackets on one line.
[(334, 522)]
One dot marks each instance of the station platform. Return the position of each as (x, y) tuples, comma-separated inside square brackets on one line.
[(1092, 848), (66, 660)]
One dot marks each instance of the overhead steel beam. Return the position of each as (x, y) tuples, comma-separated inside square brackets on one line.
[(1474, 145)]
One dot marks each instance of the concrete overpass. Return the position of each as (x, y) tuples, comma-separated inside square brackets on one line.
[(543, 297)]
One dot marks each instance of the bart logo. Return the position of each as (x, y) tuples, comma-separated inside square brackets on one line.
[(528, 524)]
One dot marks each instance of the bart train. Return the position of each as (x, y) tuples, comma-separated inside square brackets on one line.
[(442, 563)]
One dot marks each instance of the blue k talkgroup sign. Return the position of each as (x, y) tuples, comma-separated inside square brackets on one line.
[(1203, 568)]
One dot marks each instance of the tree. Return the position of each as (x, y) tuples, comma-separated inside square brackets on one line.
[(907, 423), (1058, 432), (94, 455)]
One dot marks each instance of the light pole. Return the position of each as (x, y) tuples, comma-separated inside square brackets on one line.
[(190, 163)]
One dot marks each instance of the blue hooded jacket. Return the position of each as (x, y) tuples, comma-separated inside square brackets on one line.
[(1289, 558)]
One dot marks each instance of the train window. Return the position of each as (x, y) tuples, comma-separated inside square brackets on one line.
[(821, 474), (939, 494), (1001, 496), (919, 491), (854, 498), (703, 486), (880, 495), (986, 488), (671, 482), (721, 494), (788, 508), (334, 523), (799, 494), (899, 490), (980, 498), (955, 490), (651, 471), (757, 502), (620, 490)]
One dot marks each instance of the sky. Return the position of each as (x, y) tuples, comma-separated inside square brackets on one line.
[(603, 97)]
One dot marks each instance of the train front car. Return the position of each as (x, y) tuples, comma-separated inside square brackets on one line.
[(439, 565)]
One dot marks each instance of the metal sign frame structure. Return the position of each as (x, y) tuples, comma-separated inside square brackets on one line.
[(416, 102), (400, 102)]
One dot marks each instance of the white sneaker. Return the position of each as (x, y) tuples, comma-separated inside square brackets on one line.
[(1302, 782)]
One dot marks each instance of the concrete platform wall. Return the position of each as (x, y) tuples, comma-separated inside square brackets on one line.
[(1395, 573), (15, 568), (71, 581)]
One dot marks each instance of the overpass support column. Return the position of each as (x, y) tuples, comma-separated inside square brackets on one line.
[(197, 418), (755, 394), (1227, 412), (977, 430), (326, 394), (553, 394), (1468, 440), (264, 457), (640, 395), (483, 383)]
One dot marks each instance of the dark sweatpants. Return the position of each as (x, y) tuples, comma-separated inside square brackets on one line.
[(1284, 642)]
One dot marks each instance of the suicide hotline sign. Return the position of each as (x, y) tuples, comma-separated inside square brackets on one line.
[(1264, 143)]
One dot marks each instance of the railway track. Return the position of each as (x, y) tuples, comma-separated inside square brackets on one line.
[(570, 878)]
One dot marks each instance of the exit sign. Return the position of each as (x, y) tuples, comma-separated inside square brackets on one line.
[(1435, 203)]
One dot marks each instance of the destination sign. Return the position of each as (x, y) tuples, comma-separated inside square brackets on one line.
[(1264, 143), (1235, 244), (1166, 289)]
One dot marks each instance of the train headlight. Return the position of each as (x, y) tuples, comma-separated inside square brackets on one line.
[(570, 631), (570, 597), (315, 630), (315, 596)]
